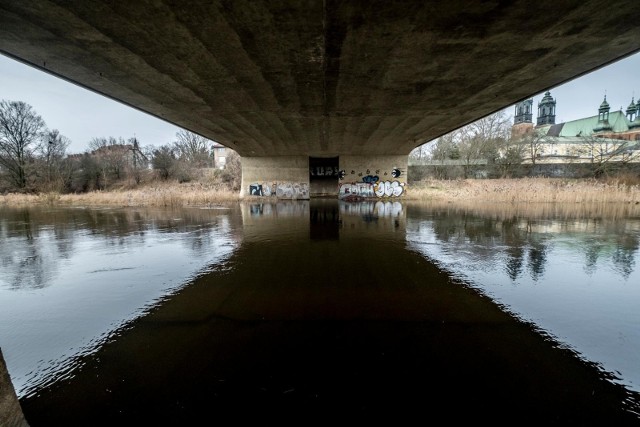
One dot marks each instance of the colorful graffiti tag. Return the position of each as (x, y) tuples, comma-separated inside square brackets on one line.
[(366, 190)]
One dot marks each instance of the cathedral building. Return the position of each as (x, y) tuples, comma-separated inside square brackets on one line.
[(575, 140)]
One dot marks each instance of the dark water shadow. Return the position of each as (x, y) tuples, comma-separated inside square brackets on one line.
[(301, 330)]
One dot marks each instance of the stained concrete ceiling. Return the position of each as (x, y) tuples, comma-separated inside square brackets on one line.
[(319, 77)]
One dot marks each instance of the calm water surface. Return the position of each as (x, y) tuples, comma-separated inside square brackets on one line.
[(310, 309)]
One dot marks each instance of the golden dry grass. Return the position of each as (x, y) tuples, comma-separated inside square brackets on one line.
[(157, 194), (545, 194), (525, 190), (531, 197)]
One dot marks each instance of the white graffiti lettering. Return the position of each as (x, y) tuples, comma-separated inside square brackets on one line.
[(359, 189), (389, 188)]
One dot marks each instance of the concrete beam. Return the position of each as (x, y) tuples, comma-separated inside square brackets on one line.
[(319, 77)]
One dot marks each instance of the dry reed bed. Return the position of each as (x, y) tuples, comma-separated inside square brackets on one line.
[(158, 196), (525, 191), (473, 192)]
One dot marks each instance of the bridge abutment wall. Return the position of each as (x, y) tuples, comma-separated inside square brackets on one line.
[(369, 177), (284, 177), (359, 177)]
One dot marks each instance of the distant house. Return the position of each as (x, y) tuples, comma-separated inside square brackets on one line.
[(220, 153)]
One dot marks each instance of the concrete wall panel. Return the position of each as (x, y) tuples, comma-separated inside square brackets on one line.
[(284, 177), (373, 177)]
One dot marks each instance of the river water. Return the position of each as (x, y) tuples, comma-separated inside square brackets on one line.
[(304, 310)]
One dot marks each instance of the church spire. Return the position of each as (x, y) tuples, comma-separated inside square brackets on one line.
[(603, 117), (547, 110), (524, 111), (631, 110)]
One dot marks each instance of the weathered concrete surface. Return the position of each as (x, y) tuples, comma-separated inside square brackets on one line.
[(319, 77), (373, 176), (285, 177), (10, 410)]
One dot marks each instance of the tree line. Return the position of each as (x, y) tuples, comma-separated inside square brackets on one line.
[(34, 158), (489, 142)]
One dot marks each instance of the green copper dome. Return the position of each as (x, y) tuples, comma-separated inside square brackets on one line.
[(547, 98), (632, 107)]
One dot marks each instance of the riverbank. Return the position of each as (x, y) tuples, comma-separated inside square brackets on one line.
[(525, 190), (468, 191)]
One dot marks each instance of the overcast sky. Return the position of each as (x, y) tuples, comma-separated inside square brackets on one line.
[(82, 115)]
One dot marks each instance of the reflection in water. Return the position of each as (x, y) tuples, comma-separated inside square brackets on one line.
[(575, 279), (322, 308), (70, 277)]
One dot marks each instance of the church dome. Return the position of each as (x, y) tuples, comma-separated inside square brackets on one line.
[(632, 107), (547, 98)]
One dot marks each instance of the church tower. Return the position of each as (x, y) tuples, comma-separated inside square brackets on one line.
[(636, 122), (522, 120), (631, 110), (546, 110), (603, 117)]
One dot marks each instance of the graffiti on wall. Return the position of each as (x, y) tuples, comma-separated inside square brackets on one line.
[(284, 190), (359, 190), (292, 190), (371, 183), (255, 190), (356, 190), (324, 171), (389, 189)]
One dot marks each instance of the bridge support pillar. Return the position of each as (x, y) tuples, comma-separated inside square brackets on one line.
[(284, 177), (359, 177), (10, 410), (383, 176)]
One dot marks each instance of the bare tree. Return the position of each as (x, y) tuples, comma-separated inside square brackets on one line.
[(193, 148), (52, 150), (232, 172), (111, 156), (609, 155), (446, 147), (533, 145), (163, 161), (511, 157), (421, 152), (139, 160), (482, 139), (20, 131)]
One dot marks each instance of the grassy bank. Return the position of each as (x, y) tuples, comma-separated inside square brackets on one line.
[(532, 198), (526, 191), (160, 194)]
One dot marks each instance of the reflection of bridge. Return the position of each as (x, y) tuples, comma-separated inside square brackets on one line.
[(358, 83)]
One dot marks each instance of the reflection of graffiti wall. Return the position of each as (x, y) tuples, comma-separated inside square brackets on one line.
[(281, 190), (379, 216), (378, 209)]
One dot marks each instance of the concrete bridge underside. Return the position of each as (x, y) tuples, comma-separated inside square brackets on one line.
[(282, 81)]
